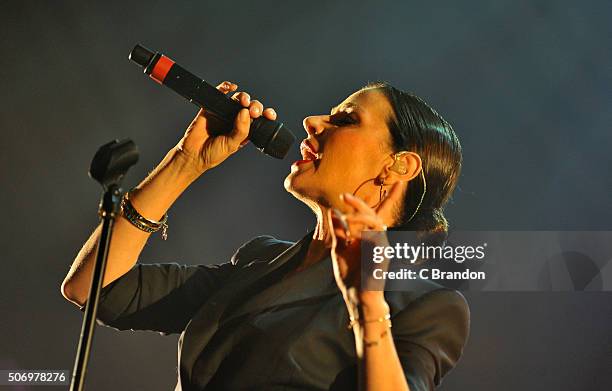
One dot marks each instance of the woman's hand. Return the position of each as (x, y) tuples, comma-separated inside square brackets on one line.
[(346, 230), (202, 151)]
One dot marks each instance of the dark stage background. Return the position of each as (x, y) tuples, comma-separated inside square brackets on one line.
[(525, 84)]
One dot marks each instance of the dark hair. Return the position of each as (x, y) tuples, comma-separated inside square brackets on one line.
[(416, 127)]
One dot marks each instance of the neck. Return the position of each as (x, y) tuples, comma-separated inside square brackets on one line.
[(321, 242)]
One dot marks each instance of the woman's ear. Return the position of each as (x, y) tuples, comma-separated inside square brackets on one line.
[(406, 165)]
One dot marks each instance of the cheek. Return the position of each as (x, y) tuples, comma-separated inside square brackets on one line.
[(349, 158)]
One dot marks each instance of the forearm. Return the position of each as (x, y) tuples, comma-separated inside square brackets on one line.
[(379, 365), (152, 198)]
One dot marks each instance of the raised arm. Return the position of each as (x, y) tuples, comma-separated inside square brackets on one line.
[(195, 153)]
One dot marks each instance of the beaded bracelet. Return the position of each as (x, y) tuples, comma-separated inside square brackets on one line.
[(353, 321), (141, 222)]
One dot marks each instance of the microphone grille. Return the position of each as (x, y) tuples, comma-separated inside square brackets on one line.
[(280, 143)]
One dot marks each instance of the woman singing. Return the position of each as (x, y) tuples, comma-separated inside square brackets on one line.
[(293, 316)]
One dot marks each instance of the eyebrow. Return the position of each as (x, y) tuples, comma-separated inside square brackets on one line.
[(349, 104)]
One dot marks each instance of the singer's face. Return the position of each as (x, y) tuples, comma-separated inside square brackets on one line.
[(351, 144)]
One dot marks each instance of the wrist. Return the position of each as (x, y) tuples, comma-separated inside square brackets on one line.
[(184, 165), (374, 307), (371, 315), (366, 305), (372, 300), (158, 191)]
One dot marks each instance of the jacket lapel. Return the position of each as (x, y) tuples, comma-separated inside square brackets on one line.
[(312, 284), (207, 319)]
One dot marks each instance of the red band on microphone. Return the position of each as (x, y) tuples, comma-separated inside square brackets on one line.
[(161, 69)]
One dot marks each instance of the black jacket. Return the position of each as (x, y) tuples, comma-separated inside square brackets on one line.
[(241, 328)]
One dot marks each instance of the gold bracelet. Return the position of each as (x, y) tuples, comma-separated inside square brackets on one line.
[(141, 222), (353, 321)]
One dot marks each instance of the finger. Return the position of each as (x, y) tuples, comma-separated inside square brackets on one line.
[(227, 86), (242, 123), (255, 108), (357, 203), (338, 229), (392, 197), (340, 218), (353, 229), (243, 98), (199, 122), (367, 222), (196, 133), (348, 207), (339, 244), (269, 113)]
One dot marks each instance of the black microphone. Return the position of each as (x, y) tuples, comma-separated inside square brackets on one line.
[(270, 137)]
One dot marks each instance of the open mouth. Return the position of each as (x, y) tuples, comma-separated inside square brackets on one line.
[(308, 151)]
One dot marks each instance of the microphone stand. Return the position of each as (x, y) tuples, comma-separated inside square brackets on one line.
[(108, 167)]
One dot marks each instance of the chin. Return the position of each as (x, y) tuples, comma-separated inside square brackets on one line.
[(291, 184), (297, 187)]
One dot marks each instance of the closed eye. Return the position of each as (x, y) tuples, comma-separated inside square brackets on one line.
[(342, 119)]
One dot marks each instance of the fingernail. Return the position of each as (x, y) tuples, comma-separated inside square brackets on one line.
[(256, 110), (272, 112), (341, 197)]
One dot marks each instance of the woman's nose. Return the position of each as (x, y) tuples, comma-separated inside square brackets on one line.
[(313, 124)]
